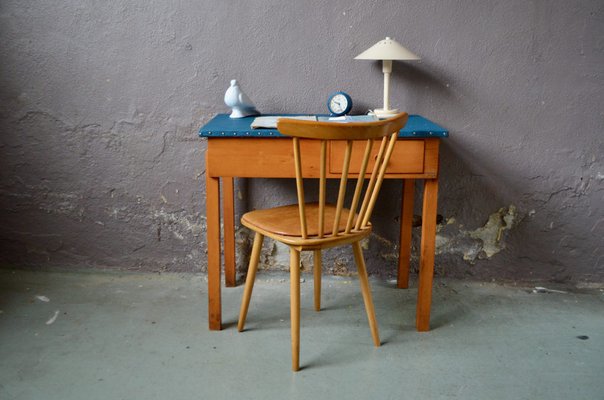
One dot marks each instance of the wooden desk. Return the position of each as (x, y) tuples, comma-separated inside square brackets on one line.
[(235, 150)]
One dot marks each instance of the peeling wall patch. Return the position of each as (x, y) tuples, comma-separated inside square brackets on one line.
[(491, 233)]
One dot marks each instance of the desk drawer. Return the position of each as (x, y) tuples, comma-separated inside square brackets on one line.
[(407, 156)]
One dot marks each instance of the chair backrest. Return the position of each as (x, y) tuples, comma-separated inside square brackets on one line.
[(386, 130)]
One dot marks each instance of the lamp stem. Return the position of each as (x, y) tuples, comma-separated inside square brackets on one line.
[(387, 70)]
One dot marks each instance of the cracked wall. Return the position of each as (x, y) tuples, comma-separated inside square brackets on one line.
[(100, 105)]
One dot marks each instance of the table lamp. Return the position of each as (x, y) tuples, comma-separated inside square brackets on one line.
[(386, 50)]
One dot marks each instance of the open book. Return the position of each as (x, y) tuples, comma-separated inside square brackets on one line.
[(270, 121), (350, 118)]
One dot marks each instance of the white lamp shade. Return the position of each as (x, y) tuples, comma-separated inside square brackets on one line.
[(387, 49)]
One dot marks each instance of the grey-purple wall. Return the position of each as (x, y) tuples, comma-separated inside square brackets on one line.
[(101, 101)]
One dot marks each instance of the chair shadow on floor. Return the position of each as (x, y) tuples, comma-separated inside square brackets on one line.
[(395, 312)]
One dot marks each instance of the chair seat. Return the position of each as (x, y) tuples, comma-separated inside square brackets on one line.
[(285, 220)]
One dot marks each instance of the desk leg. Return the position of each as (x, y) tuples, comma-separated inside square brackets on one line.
[(213, 239), (404, 256), (426, 264), (228, 220)]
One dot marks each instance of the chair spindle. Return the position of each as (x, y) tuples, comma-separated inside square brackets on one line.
[(359, 187), (322, 184), (300, 187), (376, 189), (370, 186), (342, 191)]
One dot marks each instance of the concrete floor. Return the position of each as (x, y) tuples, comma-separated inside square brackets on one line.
[(145, 336)]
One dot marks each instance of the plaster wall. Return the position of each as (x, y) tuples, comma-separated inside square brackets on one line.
[(101, 101)]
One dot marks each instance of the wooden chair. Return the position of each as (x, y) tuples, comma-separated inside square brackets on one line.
[(316, 226)]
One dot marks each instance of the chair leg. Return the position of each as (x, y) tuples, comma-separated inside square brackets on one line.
[(358, 255), (294, 269), (249, 281), (318, 266)]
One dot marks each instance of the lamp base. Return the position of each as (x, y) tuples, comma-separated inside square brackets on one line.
[(383, 114)]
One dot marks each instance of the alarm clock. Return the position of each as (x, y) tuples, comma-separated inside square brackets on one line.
[(339, 103)]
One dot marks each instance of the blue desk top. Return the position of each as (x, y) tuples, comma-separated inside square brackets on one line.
[(224, 126)]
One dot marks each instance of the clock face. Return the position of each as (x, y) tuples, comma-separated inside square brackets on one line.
[(339, 103)]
